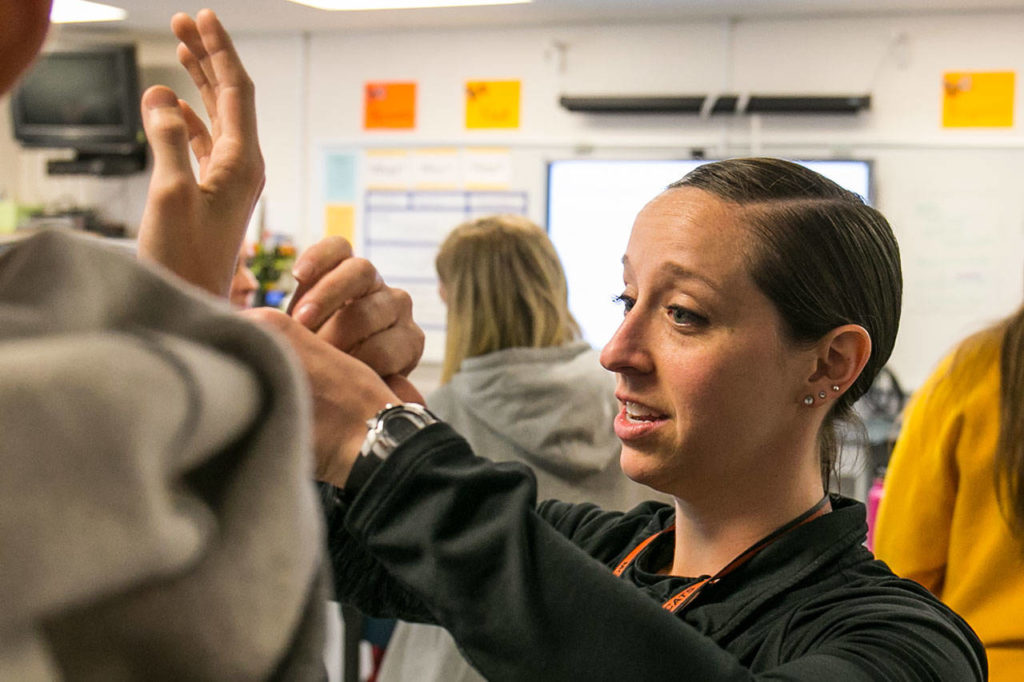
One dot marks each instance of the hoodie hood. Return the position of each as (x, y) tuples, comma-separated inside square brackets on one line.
[(555, 405)]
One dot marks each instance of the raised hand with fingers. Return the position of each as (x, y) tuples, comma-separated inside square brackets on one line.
[(346, 302), (194, 226)]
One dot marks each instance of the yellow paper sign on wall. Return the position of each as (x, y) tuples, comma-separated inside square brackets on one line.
[(492, 104), (979, 99), (340, 221)]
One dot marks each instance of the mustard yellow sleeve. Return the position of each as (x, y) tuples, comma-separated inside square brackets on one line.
[(914, 517)]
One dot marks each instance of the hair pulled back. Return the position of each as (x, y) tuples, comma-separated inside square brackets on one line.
[(821, 255)]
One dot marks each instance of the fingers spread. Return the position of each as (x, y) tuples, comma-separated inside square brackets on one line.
[(198, 136), (229, 75), (187, 32), (206, 89), (195, 229)]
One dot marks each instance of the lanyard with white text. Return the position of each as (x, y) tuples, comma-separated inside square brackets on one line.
[(680, 599)]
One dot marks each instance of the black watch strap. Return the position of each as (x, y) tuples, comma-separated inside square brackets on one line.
[(362, 470)]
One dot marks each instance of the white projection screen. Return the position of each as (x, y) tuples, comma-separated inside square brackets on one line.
[(591, 207)]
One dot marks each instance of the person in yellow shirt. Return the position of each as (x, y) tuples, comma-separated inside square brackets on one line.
[(952, 515)]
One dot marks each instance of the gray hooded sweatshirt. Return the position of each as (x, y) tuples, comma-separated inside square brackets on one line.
[(157, 518), (550, 408)]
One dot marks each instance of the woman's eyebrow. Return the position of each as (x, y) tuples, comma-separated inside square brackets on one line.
[(677, 271)]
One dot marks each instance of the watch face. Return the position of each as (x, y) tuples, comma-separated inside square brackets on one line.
[(399, 427)]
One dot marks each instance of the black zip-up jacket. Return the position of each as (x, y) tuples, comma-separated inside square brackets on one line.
[(439, 535)]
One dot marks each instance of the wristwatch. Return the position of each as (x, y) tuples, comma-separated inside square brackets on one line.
[(391, 427)]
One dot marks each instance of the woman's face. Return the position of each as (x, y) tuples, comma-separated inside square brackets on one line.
[(243, 284), (709, 387)]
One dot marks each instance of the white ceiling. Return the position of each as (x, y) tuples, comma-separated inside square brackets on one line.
[(273, 16)]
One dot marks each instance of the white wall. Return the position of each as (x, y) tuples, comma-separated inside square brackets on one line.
[(951, 195), (278, 66), (119, 199)]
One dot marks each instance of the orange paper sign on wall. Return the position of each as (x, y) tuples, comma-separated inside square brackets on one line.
[(389, 105), (492, 104), (979, 99)]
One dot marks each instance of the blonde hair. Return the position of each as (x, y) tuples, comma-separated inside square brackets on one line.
[(505, 288)]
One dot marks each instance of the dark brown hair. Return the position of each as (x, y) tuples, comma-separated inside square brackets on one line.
[(823, 257)]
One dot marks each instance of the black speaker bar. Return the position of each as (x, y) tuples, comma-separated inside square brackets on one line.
[(633, 105), (795, 104), (722, 104)]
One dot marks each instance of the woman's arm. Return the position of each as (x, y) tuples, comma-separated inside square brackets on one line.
[(359, 578), (523, 602)]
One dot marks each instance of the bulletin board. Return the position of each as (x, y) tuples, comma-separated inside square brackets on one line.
[(397, 204)]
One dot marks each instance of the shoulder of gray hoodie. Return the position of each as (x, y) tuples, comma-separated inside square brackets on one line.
[(158, 521), (549, 408)]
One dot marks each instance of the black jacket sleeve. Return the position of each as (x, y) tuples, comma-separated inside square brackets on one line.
[(524, 603), (360, 579)]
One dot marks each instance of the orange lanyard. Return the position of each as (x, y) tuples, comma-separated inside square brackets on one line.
[(680, 599)]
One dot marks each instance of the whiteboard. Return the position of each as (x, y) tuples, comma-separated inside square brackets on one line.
[(396, 204)]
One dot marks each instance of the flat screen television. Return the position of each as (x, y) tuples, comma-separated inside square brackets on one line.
[(591, 207), (85, 99)]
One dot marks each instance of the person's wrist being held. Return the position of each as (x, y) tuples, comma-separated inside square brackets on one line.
[(346, 395), (336, 458), (386, 432)]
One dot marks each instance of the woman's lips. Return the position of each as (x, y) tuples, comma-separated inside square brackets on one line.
[(636, 420)]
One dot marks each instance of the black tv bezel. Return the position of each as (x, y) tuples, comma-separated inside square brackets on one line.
[(123, 138)]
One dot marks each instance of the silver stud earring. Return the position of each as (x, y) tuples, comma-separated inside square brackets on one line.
[(835, 388), (809, 400), (821, 394)]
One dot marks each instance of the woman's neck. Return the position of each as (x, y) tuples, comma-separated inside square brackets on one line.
[(711, 534)]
